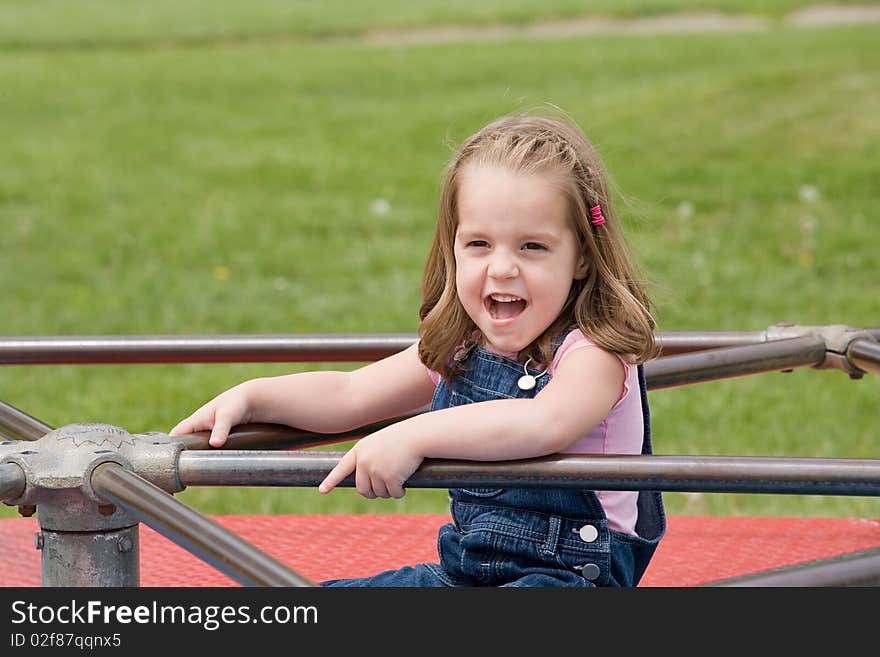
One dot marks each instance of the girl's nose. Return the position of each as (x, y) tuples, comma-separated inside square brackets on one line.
[(503, 266)]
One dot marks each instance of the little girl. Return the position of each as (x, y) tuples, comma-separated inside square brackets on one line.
[(533, 331)]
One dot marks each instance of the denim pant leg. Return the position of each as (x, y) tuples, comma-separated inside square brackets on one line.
[(422, 575), (571, 580)]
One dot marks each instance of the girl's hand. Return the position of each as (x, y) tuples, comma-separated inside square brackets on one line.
[(219, 415), (381, 463)]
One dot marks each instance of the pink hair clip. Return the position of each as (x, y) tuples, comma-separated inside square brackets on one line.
[(596, 213)]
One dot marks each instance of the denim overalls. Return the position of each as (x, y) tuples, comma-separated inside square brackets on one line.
[(528, 536)]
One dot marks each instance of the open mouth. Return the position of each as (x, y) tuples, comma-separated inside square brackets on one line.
[(504, 306)]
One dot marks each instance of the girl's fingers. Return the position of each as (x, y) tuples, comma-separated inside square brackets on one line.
[(379, 488), (188, 426), (200, 420), (339, 472), (180, 429), (220, 432), (185, 426), (363, 484), (369, 487), (396, 491)]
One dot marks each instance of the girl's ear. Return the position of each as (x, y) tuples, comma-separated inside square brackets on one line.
[(582, 268)]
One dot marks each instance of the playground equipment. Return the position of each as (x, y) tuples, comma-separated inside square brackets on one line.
[(91, 484)]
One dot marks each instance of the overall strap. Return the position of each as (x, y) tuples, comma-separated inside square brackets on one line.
[(646, 412)]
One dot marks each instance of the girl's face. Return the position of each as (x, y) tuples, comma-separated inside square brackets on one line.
[(516, 254)]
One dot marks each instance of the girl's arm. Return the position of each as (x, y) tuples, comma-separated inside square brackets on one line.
[(325, 402), (584, 388)]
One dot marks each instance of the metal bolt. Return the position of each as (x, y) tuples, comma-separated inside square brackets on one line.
[(106, 509), (38, 540), (27, 510), (124, 544)]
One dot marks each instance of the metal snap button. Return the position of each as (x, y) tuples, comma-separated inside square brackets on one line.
[(588, 533), (591, 571)]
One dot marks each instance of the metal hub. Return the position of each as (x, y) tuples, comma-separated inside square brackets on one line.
[(59, 465)]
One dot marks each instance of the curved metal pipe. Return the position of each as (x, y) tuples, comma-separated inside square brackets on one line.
[(118, 349), (205, 538), (864, 354), (713, 364), (853, 569), (12, 481), (682, 342), (727, 474), (19, 425)]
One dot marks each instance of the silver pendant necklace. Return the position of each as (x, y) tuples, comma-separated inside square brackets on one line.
[(527, 381)]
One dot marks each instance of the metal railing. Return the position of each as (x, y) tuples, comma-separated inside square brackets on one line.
[(92, 484)]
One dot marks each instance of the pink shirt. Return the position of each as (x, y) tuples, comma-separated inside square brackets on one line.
[(621, 432)]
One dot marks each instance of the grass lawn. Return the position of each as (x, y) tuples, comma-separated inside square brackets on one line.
[(290, 186), (98, 23)]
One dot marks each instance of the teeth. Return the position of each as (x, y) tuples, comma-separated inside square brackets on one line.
[(504, 298)]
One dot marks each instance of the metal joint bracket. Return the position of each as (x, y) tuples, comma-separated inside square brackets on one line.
[(58, 469), (837, 338)]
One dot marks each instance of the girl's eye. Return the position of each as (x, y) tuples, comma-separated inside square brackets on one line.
[(534, 246), (478, 243)]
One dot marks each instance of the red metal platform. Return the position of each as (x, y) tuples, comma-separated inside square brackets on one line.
[(695, 550)]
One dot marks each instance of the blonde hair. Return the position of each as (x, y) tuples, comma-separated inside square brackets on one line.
[(610, 305)]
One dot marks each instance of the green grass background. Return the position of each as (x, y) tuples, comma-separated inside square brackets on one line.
[(171, 169), (97, 23)]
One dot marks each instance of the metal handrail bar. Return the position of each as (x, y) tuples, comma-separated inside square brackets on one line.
[(727, 474), (713, 364), (203, 537), (860, 568), (17, 424), (12, 481), (683, 342), (359, 347), (121, 349), (864, 354)]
